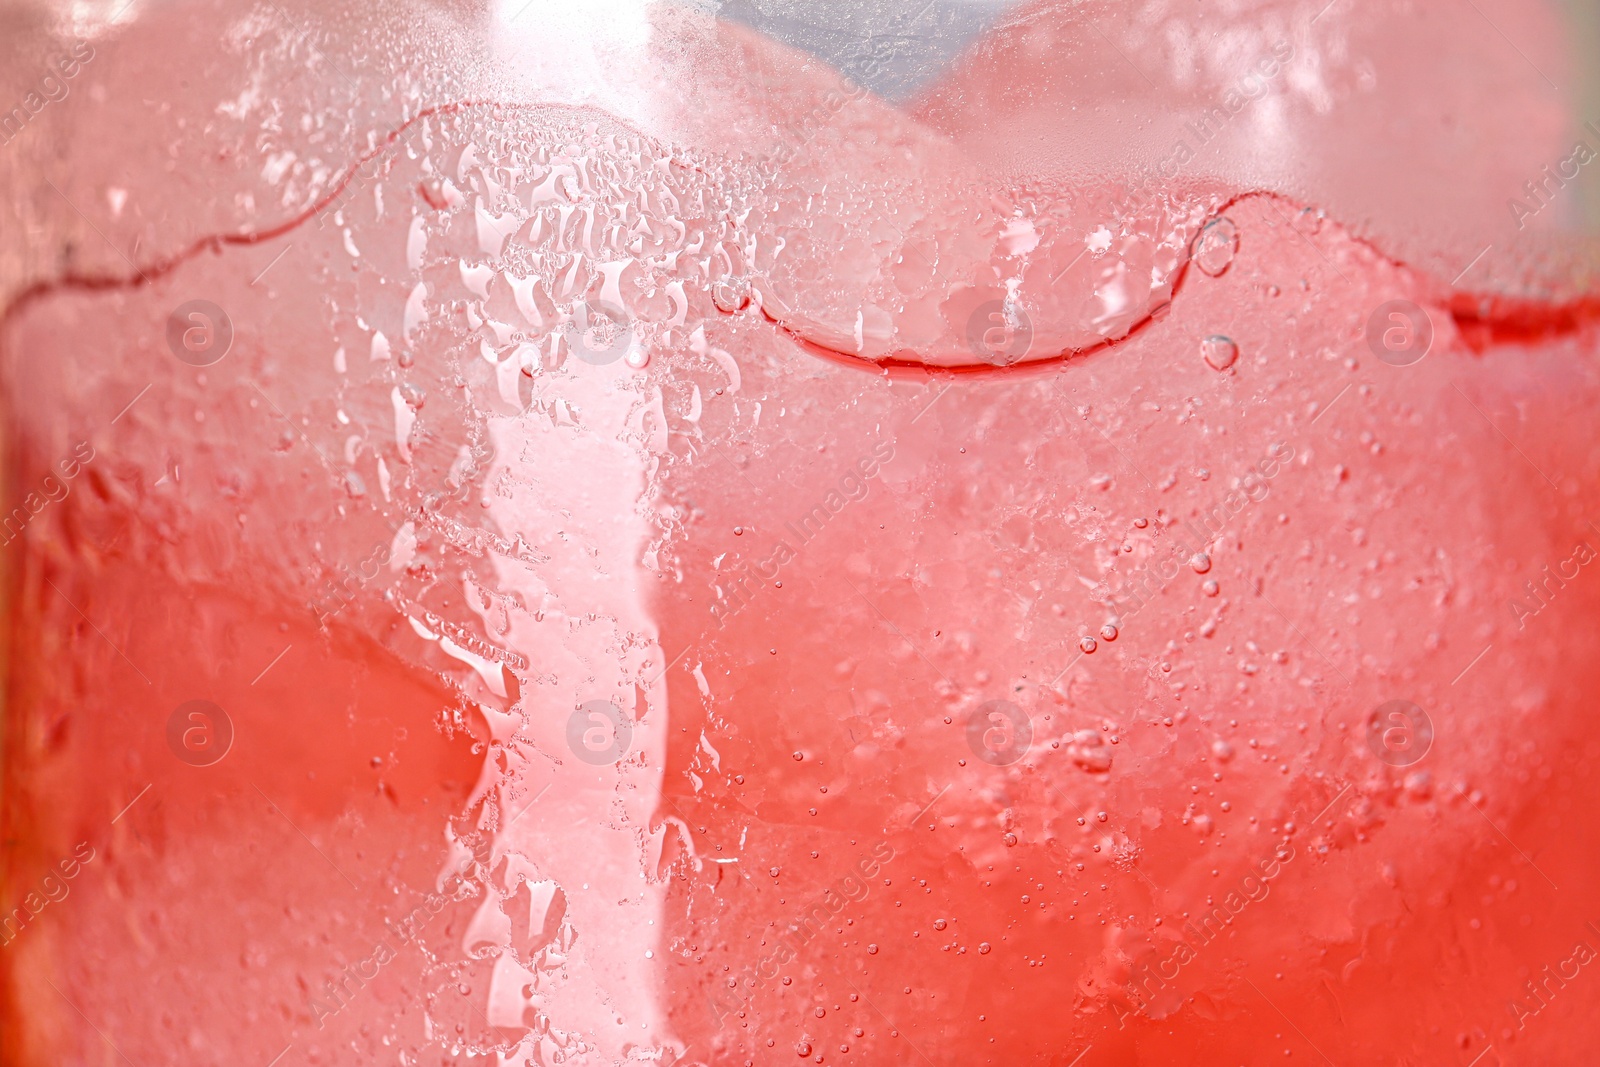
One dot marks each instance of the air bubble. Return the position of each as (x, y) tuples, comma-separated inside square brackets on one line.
[(1214, 248), (1219, 352)]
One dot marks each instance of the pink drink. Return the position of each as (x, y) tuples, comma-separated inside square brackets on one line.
[(584, 537)]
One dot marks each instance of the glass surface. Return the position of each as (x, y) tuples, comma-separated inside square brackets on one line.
[(794, 532)]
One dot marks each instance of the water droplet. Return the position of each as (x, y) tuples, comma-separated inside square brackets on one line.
[(939, 924), (738, 531), (1219, 352), (433, 192), (1209, 587), (821, 1011), (803, 1048), (872, 950), (1215, 247), (1108, 632), (731, 294), (1010, 840), (798, 756), (984, 948), (637, 358), (1088, 644), (1201, 563)]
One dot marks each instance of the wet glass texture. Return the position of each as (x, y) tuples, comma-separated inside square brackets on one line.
[(754, 532)]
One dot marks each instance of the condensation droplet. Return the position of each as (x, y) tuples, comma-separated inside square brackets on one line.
[(1201, 563), (984, 948), (1214, 248), (731, 295), (1219, 352), (1209, 587), (1088, 644), (1108, 632)]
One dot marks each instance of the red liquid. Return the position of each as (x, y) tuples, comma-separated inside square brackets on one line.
[(414, 572)]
